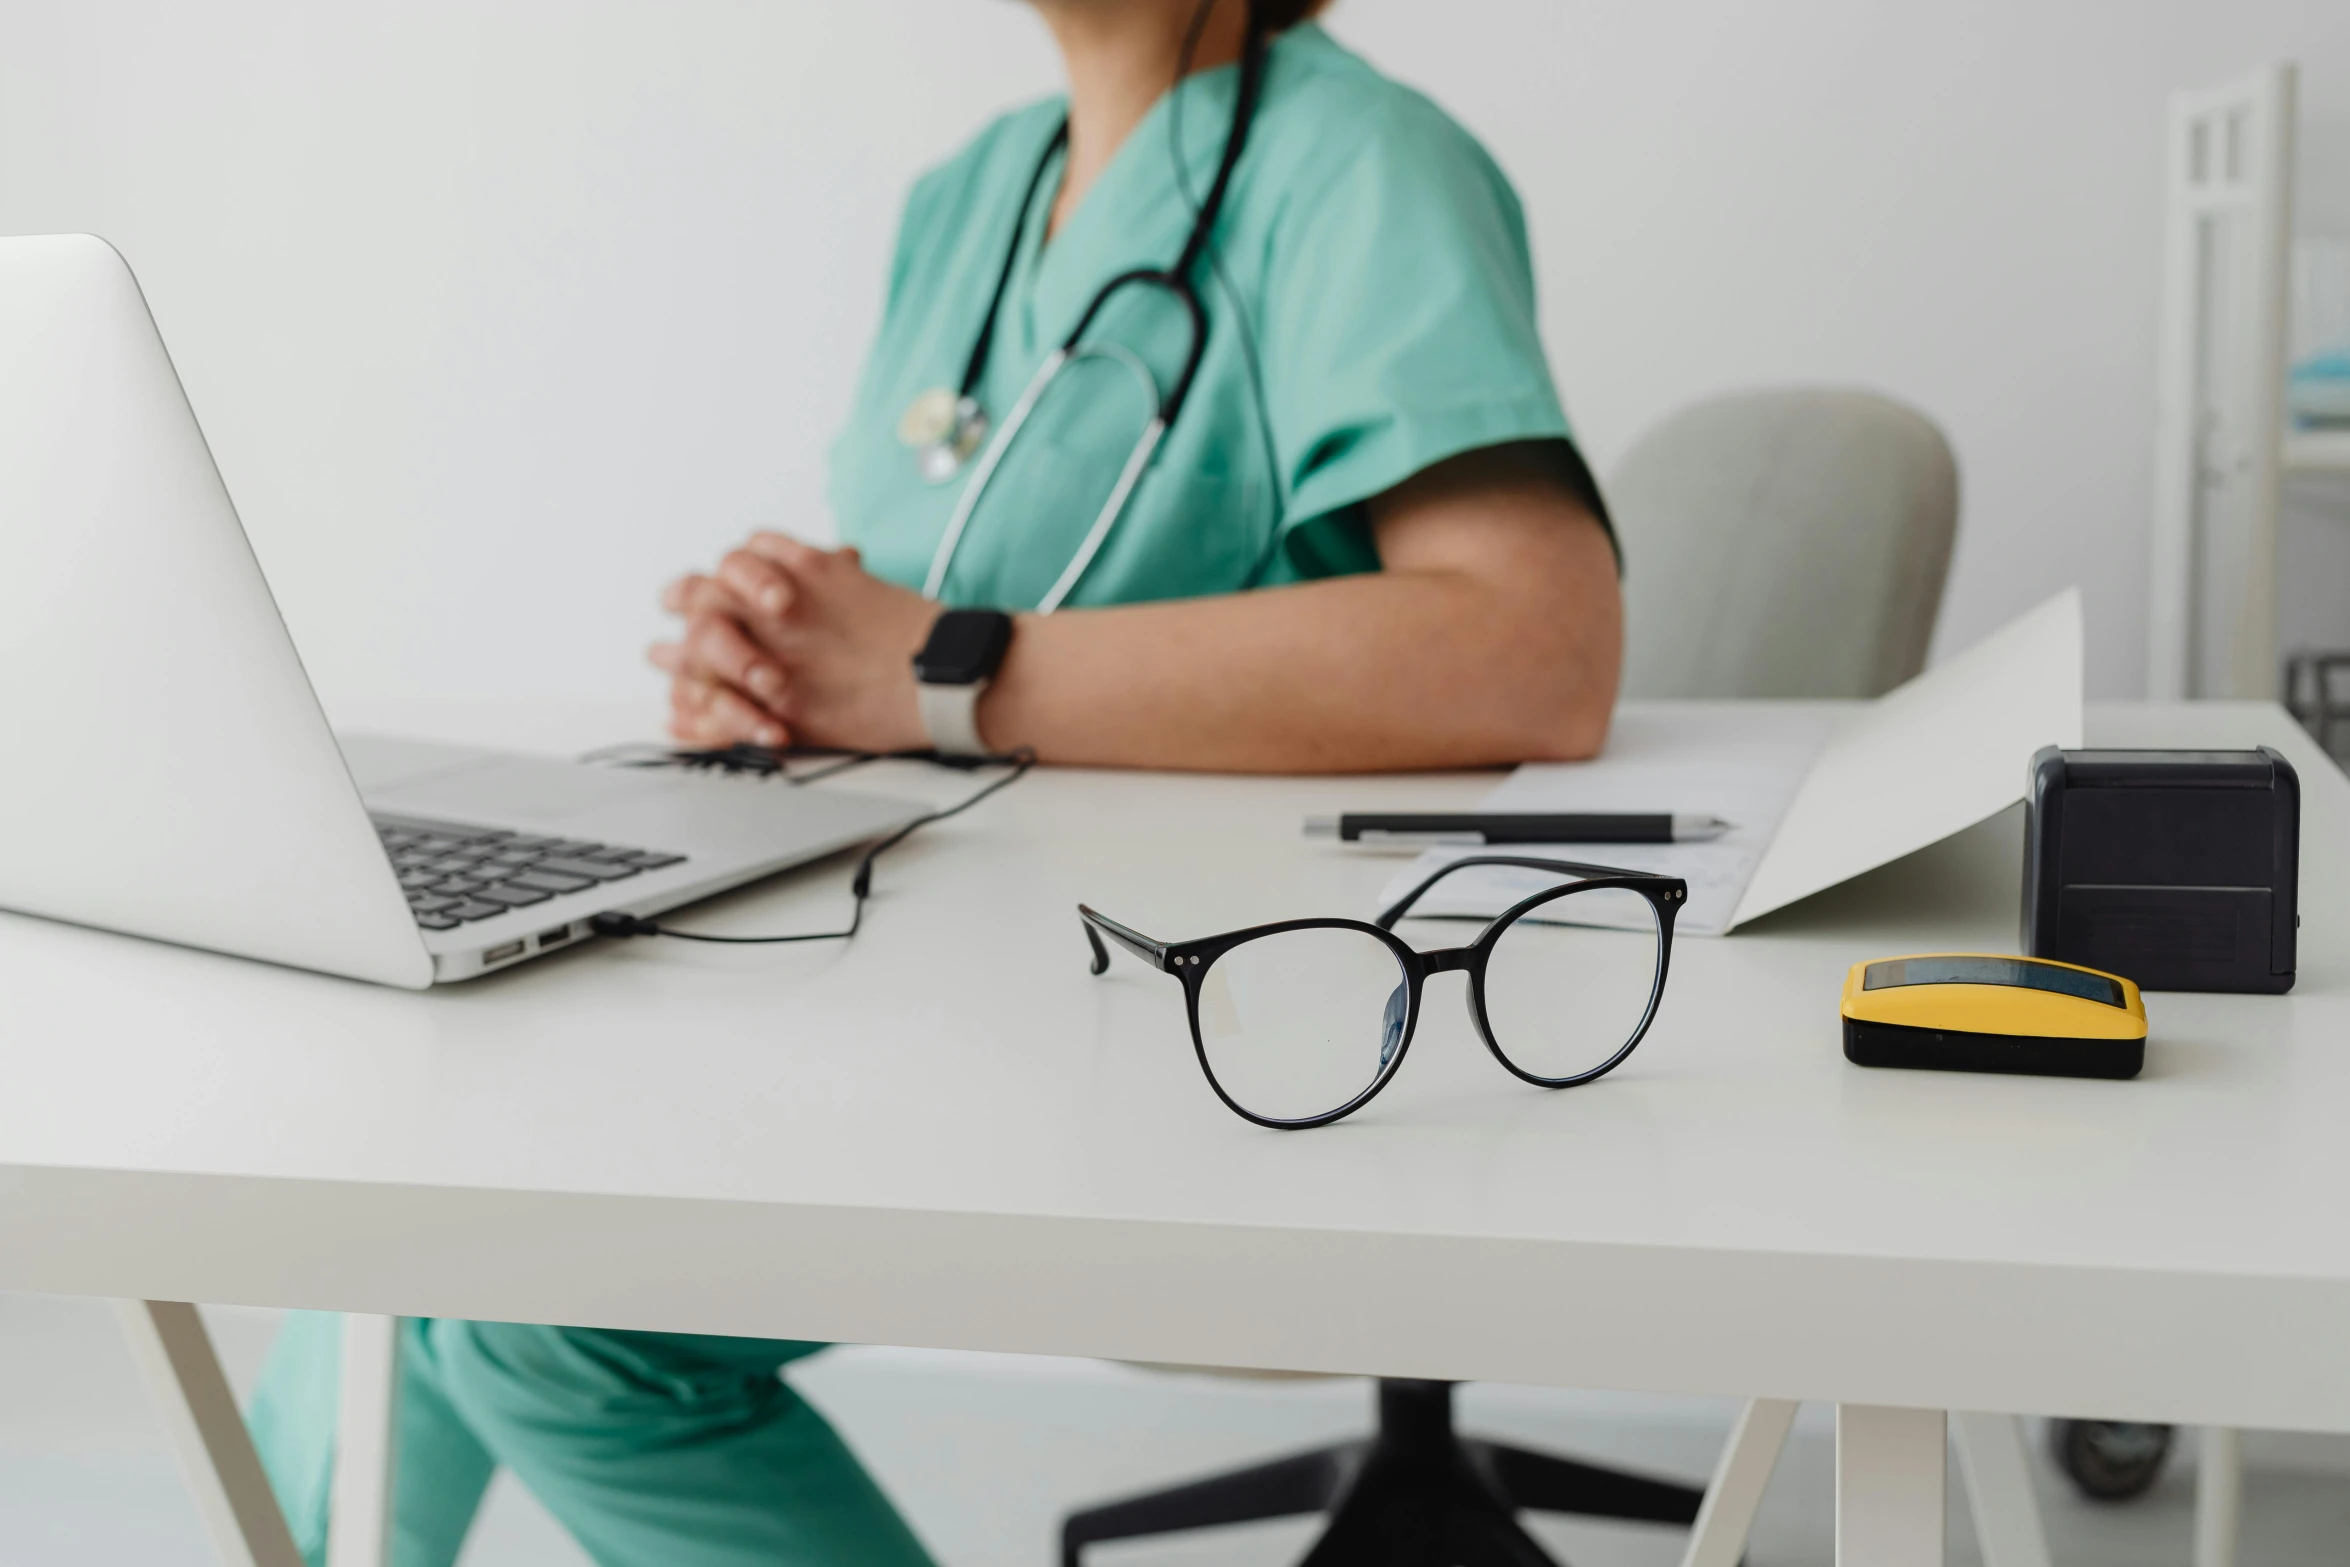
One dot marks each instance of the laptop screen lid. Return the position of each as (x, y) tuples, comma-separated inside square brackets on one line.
[(170, 772)]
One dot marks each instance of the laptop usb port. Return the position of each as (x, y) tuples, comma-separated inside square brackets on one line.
[(512, 949), (554, 938)]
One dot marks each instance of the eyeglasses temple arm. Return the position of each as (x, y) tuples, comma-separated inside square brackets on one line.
[(1402, 906), (1098, 925)]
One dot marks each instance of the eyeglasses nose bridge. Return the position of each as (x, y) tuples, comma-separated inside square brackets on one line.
[(1447, 960)]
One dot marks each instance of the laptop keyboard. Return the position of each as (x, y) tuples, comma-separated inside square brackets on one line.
[(454, 874)]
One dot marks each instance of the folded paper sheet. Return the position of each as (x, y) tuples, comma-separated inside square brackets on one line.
[(1740, 761), (1930, 758), (1817, 795)]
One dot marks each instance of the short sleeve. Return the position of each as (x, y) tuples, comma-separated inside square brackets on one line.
[(1400, 330)]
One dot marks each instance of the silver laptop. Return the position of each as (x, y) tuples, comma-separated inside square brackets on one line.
[(168, 772)]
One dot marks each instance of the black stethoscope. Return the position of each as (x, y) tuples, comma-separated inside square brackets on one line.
[(945, 430)]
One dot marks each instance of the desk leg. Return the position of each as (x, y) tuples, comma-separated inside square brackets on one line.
[(208, 1436), (1999, 1489), (1727, 1516), (1889, 1493), (359, 1527), (2219, 1496)]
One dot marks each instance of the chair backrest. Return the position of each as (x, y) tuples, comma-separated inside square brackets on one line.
[(1783, 544)]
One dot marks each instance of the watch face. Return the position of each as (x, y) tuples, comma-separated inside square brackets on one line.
[(965, 647)]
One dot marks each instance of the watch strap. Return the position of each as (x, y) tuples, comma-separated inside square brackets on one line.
[(950, 716)]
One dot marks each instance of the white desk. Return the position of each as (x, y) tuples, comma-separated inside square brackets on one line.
[(948, 1133)]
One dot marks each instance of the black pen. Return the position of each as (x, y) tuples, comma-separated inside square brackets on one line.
[(1517, 827)]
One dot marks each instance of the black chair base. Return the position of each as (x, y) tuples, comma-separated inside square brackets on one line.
[(1414, 1494), (2110, 1460)]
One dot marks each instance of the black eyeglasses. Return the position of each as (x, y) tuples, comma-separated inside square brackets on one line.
[(1301, 1023)]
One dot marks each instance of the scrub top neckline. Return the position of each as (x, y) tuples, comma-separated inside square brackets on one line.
[(1136, 194), (1371, 227), (1160, 107), (1135, 208)]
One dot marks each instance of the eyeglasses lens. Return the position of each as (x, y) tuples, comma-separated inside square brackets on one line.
[(1297, 1025), (1567, 985)]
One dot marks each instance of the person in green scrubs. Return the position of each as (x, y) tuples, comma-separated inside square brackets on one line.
[(1366, 542)]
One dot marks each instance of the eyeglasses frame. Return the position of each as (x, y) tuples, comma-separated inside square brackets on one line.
[(1190, 961)]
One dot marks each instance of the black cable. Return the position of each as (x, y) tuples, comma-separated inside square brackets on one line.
[(767, 761), (841, 766), (861, 884), (762, 761), (758, 761)]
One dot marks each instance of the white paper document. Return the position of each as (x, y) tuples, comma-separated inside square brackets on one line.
[(1738, 761), (1815, 795)]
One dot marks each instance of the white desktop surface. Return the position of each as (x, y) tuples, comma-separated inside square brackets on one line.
[(949, 1133)]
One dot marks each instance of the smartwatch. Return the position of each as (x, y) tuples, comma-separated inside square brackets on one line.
[(965, 649)]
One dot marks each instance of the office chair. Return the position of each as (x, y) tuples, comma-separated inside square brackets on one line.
[(1415, 1493), (1786, 543), (1777, 544)]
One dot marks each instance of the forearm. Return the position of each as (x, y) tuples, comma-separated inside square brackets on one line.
[(1404, 668), (1492, 633)]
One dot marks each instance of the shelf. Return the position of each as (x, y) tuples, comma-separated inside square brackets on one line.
[(2317, 451)]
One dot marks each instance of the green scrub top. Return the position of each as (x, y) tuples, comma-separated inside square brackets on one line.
[(1370, 312)]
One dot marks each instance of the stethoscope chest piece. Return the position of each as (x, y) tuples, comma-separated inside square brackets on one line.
[(945, 430)]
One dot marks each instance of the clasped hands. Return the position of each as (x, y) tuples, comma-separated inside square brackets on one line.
[(789, 644)]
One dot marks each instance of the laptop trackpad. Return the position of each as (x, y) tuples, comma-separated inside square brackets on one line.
[(461, 784), (512, 789), (646, 808)]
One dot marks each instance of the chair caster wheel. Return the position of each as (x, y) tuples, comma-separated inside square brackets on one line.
[(2109, 1460)]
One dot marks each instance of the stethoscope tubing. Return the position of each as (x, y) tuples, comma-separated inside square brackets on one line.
[(1164, 405), (944, 556), (1196, 318), (1137, 460)]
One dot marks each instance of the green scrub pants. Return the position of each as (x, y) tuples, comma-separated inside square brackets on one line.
[(653, 1449)]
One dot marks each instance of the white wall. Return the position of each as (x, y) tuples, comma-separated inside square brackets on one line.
[(499, 311)]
